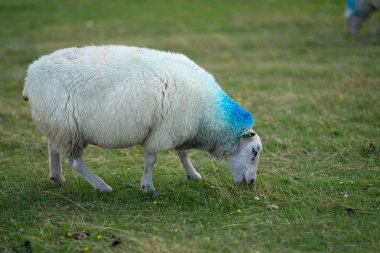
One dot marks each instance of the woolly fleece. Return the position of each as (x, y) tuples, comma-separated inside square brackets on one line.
[(120, 96)]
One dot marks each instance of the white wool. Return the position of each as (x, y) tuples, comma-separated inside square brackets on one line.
[(119, 96)]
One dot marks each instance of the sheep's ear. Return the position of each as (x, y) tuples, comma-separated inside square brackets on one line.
[(248, 133)]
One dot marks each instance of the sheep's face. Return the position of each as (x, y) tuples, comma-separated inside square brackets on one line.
[(244, 161)]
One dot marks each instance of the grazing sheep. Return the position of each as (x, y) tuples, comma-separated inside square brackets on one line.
[(357, 11), (119, 96)]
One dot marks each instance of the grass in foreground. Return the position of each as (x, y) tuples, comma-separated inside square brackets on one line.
[(313, 90)]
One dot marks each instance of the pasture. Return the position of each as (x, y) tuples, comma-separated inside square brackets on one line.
[(313, 89)]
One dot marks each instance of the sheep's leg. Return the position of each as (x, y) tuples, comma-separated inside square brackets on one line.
[(96, 182), (190, 171), (147, 180), (377, 30), (70, 162), (55, 165)]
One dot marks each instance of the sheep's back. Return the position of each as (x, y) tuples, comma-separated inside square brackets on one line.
[(118, 96)]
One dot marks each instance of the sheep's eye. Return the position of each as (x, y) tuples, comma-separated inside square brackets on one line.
[(250, 134)]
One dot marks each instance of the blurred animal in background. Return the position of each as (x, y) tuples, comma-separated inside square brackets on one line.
[(358, 11)]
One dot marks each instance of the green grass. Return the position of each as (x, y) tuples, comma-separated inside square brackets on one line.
[(313, 89)]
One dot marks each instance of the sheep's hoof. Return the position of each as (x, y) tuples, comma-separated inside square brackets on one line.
[(148, 188), (196, 176), (58, 180), (104, 188)]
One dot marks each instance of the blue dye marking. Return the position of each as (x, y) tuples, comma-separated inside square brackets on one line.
[(351, 4), (236, 116), (358, 8)]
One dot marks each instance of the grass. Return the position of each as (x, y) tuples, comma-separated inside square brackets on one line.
[(313, 89)]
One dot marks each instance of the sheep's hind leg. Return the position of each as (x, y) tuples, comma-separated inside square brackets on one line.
[(147, 178), (55, 166), (96, 182), (190, 171)]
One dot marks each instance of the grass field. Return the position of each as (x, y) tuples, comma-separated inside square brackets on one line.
[(313, 89)]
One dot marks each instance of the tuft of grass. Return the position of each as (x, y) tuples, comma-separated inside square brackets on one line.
[(313, 89)]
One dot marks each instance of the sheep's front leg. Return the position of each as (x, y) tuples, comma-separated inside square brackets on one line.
[(190, 171), (55, 166), (147, 178), (96, 182)]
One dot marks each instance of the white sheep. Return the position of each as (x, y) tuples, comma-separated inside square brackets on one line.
[(120, 96)]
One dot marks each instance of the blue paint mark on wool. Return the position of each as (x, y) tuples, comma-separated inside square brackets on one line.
[(358, 8), (351, 4), (237, 117)]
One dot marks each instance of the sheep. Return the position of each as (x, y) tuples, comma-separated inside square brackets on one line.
[(357, 11), (120, 96)]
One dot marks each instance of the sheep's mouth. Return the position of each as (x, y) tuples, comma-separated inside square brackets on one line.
[(242, 180)]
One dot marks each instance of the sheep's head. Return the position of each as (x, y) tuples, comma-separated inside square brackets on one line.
[(244, 161)]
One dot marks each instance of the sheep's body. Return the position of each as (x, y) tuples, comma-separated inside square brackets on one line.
[(361, 8), (118, 96)]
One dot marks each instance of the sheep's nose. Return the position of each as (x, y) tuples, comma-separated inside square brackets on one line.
[(255, 151), (251, 181)]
